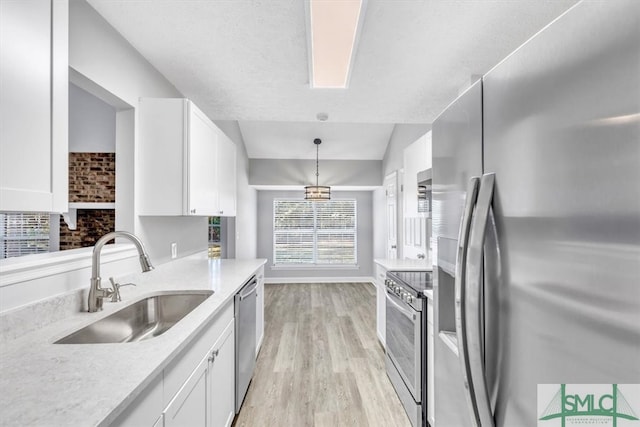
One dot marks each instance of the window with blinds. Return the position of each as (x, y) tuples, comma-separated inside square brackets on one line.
[(23, 234), (315, 233)]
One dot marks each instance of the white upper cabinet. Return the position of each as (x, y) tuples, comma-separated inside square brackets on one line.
[(226, 176), (183, 160), (34, 105), (417, 157)]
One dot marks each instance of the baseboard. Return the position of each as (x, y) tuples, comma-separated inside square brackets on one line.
[(363, 279)]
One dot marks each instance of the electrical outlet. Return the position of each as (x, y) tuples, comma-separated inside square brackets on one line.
[(174, 250)]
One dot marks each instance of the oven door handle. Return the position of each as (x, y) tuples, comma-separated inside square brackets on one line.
[(401, 309)]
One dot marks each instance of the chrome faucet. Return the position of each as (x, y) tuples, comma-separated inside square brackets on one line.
[(97, 293)]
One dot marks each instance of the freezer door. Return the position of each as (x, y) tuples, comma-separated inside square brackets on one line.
[(561, 134), (457, 156)]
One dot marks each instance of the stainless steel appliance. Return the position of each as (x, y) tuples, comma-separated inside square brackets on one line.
[(536, 214), (406, 326), (245, 313)]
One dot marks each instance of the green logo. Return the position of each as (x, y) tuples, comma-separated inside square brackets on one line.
[(584, 406)]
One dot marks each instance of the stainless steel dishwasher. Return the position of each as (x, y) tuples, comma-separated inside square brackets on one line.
[(245, 312)]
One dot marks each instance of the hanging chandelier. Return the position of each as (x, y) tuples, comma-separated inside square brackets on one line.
[(317, 192)]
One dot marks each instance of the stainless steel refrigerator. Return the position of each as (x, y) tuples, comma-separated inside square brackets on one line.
[(536, 218)]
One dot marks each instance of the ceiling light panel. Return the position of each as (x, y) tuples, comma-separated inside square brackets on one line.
[(334, 30)]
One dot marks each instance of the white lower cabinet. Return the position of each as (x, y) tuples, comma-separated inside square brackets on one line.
[(381, 275), (189, 406), (205, 399), (196, 389), (259, 309), (222, 381)]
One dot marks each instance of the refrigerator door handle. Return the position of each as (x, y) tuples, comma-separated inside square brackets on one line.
[(474, 303), (459, 285)]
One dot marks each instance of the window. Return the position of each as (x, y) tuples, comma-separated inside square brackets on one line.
[(214, 237), (314, 233), (23, 234)]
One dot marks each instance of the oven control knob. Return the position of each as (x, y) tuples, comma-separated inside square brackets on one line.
[(409, 299)]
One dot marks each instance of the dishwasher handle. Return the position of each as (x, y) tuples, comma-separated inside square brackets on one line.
[(248, 289)]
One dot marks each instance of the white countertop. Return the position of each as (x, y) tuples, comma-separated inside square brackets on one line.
[(42, 383), (405, 264)]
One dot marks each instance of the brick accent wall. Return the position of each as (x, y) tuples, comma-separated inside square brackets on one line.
[(92, 177), (91, 225)]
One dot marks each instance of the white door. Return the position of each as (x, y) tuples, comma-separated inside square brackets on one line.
[(391, 188)]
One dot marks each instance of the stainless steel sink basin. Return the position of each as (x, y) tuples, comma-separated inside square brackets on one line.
[(142, 320)]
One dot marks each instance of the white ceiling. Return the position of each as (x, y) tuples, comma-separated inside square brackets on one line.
[(247, 61)]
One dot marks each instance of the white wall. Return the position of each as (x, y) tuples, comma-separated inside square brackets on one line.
[(364, 271), (92, 123), (102, 55), (288, 172), (402, 136)]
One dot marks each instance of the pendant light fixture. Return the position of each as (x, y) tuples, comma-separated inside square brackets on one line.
[(317, 192)]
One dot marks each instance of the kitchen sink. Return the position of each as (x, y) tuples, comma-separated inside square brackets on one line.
[(139, 321)]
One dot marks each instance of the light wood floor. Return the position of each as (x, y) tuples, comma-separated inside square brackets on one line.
[(320, 362)]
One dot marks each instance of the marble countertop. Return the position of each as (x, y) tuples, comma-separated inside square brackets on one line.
[(42, 383), (405, 264)]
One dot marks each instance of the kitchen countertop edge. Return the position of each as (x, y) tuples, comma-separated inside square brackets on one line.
[(404, 264)]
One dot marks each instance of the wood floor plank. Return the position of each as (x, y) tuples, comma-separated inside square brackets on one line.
[(320, 362)]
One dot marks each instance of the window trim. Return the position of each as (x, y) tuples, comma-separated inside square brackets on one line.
[(315, 265)]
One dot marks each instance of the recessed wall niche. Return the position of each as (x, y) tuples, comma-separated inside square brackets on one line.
[(92, 169)]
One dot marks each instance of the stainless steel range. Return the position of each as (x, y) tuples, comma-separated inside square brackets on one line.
[(406, 351)]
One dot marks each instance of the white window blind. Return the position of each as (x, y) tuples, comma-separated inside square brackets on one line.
[(23, 234), (316, 233)]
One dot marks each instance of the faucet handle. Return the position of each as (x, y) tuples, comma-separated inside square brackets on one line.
[(115, 296)]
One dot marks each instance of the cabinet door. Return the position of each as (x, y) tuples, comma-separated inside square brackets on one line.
[(202, 181), (226, 175), (189, 406), (260, 310), (33, 105), (381, 275), (222, 380)]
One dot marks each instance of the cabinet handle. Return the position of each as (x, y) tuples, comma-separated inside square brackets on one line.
[(221, 212), (193, 211), (213, 356)]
